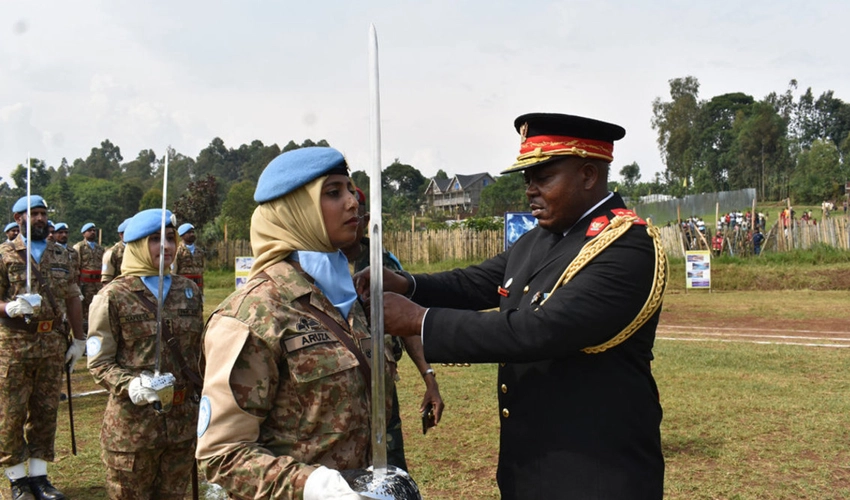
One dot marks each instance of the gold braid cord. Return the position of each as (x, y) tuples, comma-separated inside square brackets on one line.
[(616, 228)]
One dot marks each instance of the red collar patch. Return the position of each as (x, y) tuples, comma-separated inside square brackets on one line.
[(628, 213), (597, 225)]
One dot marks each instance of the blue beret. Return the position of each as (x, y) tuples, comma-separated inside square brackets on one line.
[(20, 206), (11, 225), (86, 227), (185, 228), (123, 226), (146, 223), (51, 224), (295, 168), (60, 227)]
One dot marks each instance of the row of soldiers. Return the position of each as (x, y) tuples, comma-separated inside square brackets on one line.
[(43, 327), (98, 266)]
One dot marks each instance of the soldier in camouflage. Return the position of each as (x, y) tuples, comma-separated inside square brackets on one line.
[(113, 257), (61, 236), (11, 231), (34, 350), (91, 262), (286, 402), (148, 455), (189, 261)]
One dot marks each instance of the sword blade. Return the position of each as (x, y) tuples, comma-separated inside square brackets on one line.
[(160, 298), (379, 408), (29, 225)]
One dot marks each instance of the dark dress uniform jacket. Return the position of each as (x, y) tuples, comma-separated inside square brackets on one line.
[(573, 425)]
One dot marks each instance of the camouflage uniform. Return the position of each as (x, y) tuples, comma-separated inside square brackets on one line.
[(112, 260), (148, 455), (190, 265), (281, 394), (91, 262), (32, 356)]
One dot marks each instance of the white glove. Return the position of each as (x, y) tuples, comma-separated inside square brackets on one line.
[(18, 308), (141, 395), (328, 484), (74, 352)]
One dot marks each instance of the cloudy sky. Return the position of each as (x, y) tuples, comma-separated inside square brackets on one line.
[(454, 74)]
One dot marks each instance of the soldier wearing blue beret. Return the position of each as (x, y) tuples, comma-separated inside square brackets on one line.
[(90, 255), (122, 344), (11, 231), (311, 416), (35, 349), (113, 257), (189, 261), (579, 298)]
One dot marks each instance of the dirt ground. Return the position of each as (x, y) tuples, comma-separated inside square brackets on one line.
[(684, 323)]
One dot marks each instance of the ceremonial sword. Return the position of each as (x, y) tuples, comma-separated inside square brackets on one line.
[(33, 299), (162, 383), (384, 482)]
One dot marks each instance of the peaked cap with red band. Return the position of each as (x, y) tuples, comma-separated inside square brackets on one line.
[(549, 136)]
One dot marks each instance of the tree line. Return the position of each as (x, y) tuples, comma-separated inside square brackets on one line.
[(784, 146)]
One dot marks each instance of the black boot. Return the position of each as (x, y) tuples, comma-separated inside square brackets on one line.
[(43, 490), (21, 489)]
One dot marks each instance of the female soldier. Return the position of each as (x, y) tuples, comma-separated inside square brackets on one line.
[(286, 400), (148, 454)]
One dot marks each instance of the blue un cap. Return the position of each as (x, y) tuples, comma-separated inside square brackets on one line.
[(146, 223), (11, 225), (20, 206), (86, 227), (293, 169), (60, 226), (123, 226), (184, 228)]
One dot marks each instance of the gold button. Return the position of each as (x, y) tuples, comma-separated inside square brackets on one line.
[(525, 290), (505, 413), (502, 365), (504, 389)]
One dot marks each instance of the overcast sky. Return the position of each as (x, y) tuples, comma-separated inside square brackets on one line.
[(454, 74)]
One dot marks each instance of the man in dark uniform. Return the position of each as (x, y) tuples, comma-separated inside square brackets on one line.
[(579, 299)]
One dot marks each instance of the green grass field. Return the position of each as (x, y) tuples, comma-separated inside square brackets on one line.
[(741, 421)]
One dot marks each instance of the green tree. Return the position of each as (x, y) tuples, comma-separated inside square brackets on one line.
[(630, 175), (713, 138), (151, 199), (130, 195), (674, 121), (198, 203), (237, 209), (39, 176), (96, 200), (441, 175), (102, 163), (818, 175), (507, 194), (402, 186), (142, 168), (760, 152)]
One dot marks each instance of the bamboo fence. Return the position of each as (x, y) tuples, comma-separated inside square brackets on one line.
[(426, 247)]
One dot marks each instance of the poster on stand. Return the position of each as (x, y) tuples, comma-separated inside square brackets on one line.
[(517, 224), (698, 269)]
